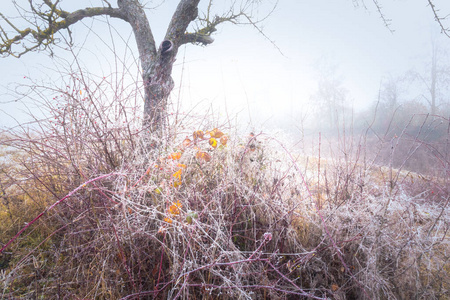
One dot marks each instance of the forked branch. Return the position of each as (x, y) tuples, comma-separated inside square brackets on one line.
[(49, 21)]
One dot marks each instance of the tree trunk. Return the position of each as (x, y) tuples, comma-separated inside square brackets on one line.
[(158, 84), (157, 63)]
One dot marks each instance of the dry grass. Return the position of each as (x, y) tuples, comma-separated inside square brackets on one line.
[(252, 219), (246, 225)]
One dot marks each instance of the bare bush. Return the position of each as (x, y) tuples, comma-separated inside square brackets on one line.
[(208, 214)]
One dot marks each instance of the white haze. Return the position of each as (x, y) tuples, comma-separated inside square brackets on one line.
[(243, 73)]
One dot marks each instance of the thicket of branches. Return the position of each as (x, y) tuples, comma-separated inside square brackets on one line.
[(88, 212), (213, 214)]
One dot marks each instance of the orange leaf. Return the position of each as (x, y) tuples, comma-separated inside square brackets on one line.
[(175, 156), (181, 166), (198, 134), (217, 133), (187, 142), (168, 220), (224, 140), (174, 209), (213, 142), (203, 155)]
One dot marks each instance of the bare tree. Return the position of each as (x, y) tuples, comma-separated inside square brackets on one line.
[(435, 79), (390, 93), (330, 98), (46, 18)]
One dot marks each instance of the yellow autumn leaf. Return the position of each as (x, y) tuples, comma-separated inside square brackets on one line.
[(168, 220), (177, 184), (213, 142), (177, 174)]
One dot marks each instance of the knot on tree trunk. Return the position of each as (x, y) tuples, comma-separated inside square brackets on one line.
[(166, 47)]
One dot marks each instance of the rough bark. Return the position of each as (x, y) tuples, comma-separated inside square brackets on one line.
[(148, 55), (157, 78), (157, 64)]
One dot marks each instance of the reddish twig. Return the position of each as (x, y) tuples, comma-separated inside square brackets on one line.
[(55, 204)]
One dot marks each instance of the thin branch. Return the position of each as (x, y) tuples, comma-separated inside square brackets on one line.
[(438, 19), (387, 22), (264, 35), (45, 37)]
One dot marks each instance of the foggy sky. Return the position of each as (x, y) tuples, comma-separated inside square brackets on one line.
[(245, 73)]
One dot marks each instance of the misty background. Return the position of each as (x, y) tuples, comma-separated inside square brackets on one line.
[(318, 61)]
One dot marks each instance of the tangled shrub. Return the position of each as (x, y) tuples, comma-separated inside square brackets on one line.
[(238, 219), (206, 215)]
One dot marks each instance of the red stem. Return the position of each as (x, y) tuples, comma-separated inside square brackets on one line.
[(54, 204)]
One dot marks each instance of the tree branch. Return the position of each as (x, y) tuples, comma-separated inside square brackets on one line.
[(438, 19), (196, 38), (387, 22), (137, 18), (203, 35), (55, 20), (186, 12)]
